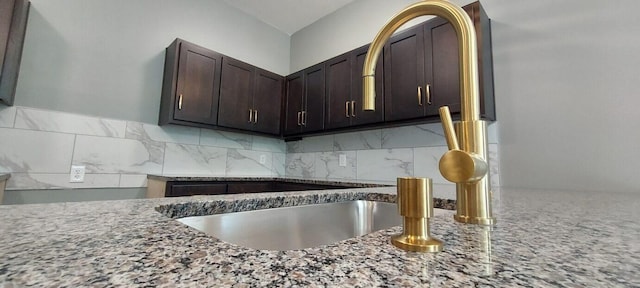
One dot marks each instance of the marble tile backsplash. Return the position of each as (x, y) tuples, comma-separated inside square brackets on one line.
[(38, 148), (380, 156)]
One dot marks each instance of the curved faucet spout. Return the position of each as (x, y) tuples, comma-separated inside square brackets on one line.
[(470, 107), (466, 163)]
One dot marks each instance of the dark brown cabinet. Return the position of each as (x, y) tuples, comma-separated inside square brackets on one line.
[(203, 88), (404, 75), (304, 110), (343, 106), (421, 69), (416, 74), (189, 188), (338, 92), (250, 98), (191, 85), (13, 25)]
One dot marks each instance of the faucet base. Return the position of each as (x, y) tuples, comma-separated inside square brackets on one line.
[(475, 220), (416, 244)]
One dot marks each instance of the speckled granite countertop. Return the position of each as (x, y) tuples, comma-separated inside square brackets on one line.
[(542, 239)]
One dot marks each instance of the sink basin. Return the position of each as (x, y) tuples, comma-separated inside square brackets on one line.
[(298, 227)]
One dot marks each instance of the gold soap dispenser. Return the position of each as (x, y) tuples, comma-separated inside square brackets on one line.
[(415, 204)]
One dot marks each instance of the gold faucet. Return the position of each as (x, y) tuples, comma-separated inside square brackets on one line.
[(464, 164)]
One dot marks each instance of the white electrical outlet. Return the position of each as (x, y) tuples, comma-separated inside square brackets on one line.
[(343, 160), (77, 174), (263, 159)]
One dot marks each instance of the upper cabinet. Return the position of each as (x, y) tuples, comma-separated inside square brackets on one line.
[(417, 73), (206, 89), (422, 69), (250, 97), (404, 79), (343, 105), (304, 112), (191, 86), (13, 25)]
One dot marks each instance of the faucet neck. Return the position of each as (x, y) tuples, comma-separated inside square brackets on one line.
[(468, 55)]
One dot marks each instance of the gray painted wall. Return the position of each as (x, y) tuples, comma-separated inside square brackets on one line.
[(105, 58), (565, 82)]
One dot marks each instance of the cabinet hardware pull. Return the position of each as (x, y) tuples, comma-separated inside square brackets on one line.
[(429, 94), (353, 108), (250, 115), (299, 114), (304, 118), (419, 96), (346, 109), (180, 102), (255, 117)]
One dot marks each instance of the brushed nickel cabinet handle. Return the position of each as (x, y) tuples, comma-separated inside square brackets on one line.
[(304, 118), (299, 116), (180, 102), (346, 109), (429, 94), (419, 96), (353, 108), (255, 116), (250, 115)]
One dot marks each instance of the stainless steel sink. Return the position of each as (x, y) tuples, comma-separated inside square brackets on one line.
[(298, 227)]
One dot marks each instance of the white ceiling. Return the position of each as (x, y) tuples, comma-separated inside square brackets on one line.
[(288, 16)]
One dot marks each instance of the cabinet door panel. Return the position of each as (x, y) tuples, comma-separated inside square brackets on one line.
[(198, 84), (404, 73), (366, 117), (442, 67), (295, 93), (314, 99), (338, 85), (197, 189), (267, 100), (249, 187), (236, 92)]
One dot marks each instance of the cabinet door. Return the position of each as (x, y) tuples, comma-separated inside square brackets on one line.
[(441, 67), (338, 93), (249, 187), (267, 101), (366, 117), (293, 108), (313, 118), (442, 63), (196, 189), (236, 92), (198, 87), (404, 75)]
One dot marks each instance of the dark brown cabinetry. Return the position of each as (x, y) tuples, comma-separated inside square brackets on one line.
[(305, 101), (188, 188), (13, 25), (404, 75), (422, 73), (343, 106), (249, 97), (191, 85), (203, 88)]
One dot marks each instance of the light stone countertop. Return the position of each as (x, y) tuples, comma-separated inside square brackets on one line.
[(542, 239)]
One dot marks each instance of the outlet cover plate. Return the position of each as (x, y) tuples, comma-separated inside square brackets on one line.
[(77, 174), (343, 160)]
